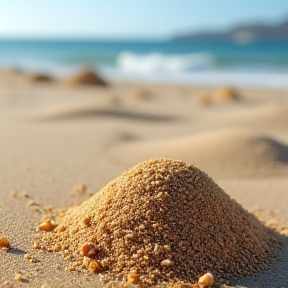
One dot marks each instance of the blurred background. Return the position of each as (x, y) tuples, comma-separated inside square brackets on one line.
[(201, 81), (240, 43)]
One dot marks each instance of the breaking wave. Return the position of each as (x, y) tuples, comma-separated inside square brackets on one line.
[(157, 62)]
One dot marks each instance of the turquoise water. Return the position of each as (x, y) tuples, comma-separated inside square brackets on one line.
[(258, 64)]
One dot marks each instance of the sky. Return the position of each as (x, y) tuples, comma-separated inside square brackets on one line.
[(130, 19)]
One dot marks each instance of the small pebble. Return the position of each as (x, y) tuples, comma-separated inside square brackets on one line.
[(18, 277), (32, 203), (89, 250), (206, 280), (24, 194), (4, 243), (47, 225), (133, 278)]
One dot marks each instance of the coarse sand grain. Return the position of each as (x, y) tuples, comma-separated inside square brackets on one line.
[(164, 220)]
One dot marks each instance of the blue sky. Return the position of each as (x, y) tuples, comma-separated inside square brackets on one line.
[(130, 18)]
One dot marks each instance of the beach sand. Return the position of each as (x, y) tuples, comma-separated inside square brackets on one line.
[(55, 137)]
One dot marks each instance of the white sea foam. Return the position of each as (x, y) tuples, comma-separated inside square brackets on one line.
[(157, 62), (211, 77)]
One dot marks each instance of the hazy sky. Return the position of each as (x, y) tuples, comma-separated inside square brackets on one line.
[(130, 18)]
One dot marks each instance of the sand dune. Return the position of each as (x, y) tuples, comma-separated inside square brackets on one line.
[(272, 116), (221, 153)]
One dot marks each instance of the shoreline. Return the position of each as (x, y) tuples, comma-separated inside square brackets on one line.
[(208, 78)]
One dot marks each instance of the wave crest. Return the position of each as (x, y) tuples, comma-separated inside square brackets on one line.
[(157, 62)]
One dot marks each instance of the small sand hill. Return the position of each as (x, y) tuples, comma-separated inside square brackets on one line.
[(225, 94), (86, 77), (220, 96), (141, 95), (222, 153), (166, 220), (37, 77)]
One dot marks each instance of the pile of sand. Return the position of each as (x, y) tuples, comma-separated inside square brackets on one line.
[(141, 95), (86, 77), (165, 220), (222, 153), (225, 94), (220, 96), (37, 77)]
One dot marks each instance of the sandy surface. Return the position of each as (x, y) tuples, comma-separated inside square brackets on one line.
[(55, 137)]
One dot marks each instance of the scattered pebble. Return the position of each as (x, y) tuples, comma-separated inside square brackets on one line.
[(18, 277), (36, 245), (47, 225), (32, 203), (4, 244), (206, 280), (166, 263), (24, 194), (89, 250), (29, 257)]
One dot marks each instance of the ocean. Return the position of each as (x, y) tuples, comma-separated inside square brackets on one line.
[(263, 65)]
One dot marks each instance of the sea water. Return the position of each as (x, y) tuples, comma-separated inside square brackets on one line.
[(263, 65)]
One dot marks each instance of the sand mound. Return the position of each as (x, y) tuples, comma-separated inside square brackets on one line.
[(39, 78), (222, 153), (164, 220), (141, 95), (220, 96), (225, 94), (86, 77)]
